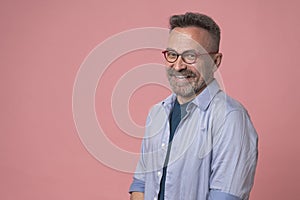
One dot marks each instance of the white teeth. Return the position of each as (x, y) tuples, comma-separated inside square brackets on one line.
[(180, 77)]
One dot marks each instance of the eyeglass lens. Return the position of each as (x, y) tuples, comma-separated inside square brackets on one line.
[(188, 57)]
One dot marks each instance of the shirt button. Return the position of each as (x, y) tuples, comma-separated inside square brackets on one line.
[(158, 173), (163, 146), (155, 198)]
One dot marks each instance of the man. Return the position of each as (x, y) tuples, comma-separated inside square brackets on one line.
[(199, 143)]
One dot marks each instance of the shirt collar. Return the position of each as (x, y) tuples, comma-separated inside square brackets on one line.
[(206, 96), (202, 100)]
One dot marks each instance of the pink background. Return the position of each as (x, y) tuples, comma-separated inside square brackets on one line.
[(43, 44)]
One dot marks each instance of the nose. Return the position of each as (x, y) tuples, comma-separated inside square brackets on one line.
[(179, 64)]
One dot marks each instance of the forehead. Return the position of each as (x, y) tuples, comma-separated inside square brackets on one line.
[(189, 38)]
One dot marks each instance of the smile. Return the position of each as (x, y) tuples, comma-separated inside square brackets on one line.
[(181, 77), (184, 76)]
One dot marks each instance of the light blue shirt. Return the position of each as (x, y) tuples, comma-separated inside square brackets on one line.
[(213, 155)]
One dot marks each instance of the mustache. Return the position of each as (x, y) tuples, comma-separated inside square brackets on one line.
[(185, 72)]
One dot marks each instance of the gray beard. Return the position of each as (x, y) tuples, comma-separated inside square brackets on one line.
[(187, 89)]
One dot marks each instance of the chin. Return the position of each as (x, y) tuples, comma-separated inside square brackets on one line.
[(184, 91), (189, 90)]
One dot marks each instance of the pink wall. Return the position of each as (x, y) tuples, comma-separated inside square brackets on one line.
[(44, 43)]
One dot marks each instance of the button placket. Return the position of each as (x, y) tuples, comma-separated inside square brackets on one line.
[(158, 174)]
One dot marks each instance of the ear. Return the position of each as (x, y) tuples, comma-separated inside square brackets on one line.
[(217, 60)]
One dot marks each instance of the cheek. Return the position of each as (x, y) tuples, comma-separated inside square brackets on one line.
[(196, 70), (203, 69), (168, 65)]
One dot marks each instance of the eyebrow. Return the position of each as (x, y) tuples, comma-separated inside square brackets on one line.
[(190, 50), (170, 49)]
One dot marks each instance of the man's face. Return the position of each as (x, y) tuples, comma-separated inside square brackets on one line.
[(188, 80)]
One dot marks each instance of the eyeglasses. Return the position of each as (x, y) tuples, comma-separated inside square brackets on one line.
[(189, 57)]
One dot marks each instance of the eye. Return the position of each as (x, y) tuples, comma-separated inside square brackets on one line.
[(172, 54), (189, 56)]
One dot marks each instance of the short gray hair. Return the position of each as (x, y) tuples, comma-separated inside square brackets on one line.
[(201, 21)]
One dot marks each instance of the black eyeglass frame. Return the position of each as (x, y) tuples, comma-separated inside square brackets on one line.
[(180, 54)]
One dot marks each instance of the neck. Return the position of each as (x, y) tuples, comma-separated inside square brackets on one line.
[(183, 100)]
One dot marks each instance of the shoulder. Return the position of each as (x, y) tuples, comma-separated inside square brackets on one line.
[(156, 109), (226, 104), (223, 107), (163, 106), (228, 112), (159, 112)]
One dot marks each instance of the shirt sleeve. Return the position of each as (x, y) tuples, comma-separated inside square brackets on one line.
[(217, 195), (138, 183), (234, 157), (137, 186)]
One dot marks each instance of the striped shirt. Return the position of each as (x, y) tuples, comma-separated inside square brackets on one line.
[(213, 154)]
